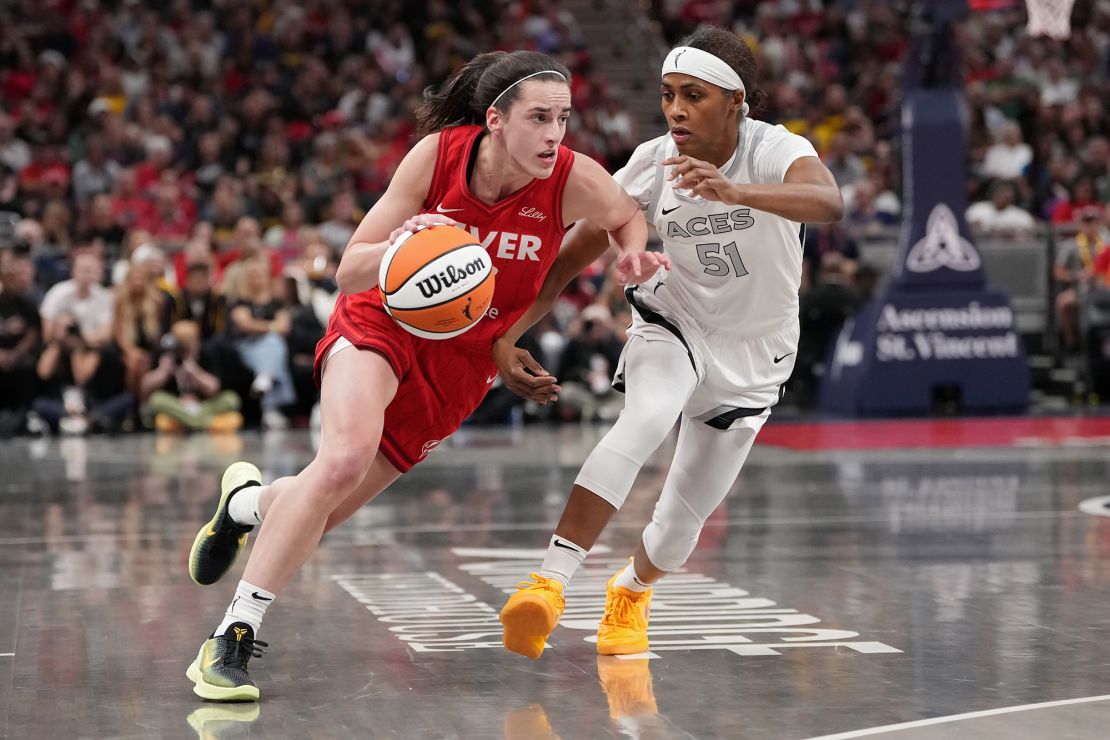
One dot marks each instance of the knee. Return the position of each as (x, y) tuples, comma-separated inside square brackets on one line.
[(648, 427), (340, 473), (671, 536)]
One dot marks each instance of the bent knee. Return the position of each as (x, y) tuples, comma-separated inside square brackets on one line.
[(340, 473)]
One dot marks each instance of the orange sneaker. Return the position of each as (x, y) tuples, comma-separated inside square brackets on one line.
[(167, 424), (623, 629), (627, 684), (531, 614), (529, 723)]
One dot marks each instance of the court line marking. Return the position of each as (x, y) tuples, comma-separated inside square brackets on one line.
[(534, 526), (958, 717)]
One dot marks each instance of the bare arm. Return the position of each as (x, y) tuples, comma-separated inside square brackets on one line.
[(358, 268), (808, 193), (593, 195)]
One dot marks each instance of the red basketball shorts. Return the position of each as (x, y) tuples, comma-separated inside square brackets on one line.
[(440, 383)]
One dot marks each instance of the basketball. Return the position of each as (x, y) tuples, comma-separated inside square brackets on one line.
[(437, 282)]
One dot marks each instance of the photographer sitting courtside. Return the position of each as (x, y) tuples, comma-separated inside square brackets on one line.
[(181, 393)]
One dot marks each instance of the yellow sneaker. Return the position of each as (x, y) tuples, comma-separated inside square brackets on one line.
[(531, 614), (529, 723), (627, 685), (623, 629), (167, 424)]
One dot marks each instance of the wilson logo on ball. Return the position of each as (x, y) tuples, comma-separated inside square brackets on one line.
[(437, 282)]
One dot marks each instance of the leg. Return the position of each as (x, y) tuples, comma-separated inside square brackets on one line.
[(659, 380), (356, 388), (380, 476), (706, 464)]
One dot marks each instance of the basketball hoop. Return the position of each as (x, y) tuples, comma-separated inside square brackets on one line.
[(1050, 18)]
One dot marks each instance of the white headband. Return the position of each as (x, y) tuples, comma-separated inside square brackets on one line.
[(527, 77), (705, 66)]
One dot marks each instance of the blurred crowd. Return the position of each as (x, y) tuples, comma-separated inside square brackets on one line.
[(178, 180)]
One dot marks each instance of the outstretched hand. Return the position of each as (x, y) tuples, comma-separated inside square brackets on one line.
[(523, 375), (638, 267), (701, 178)]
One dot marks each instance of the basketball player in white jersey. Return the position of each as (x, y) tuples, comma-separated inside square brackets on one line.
[(712, 340)]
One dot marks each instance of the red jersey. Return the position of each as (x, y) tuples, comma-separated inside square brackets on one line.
[(443, 381), (522, 233)]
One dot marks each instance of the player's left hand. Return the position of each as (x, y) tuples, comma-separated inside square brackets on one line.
[(701, 178), (421, 221), (638, 267)]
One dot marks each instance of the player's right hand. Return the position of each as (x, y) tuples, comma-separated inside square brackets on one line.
[(421, 221), (523, 375)]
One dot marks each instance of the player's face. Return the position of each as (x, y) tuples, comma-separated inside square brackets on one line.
[(535, 125), (701, 115)]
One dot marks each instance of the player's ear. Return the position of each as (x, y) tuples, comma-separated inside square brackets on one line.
[(737, 103), (495, 120)]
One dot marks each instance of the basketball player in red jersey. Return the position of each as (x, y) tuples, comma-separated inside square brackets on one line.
[(492, 162)]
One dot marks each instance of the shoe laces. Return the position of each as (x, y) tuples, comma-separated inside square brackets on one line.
[(623, 611), (243, 650), (537, 582)]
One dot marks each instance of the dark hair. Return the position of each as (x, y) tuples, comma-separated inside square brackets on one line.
[(472, 88), (732, 50)]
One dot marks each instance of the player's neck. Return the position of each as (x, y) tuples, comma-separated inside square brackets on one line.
[(720, 151), (496, 176)]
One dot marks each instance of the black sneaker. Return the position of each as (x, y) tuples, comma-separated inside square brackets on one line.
[(220, 541), (220, 671)]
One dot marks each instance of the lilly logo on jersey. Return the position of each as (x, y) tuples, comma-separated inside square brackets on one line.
[(435, 284), (532, 213), (509, 246), (714, 223)]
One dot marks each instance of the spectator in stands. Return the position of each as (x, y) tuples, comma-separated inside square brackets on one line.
[(1081, 195), (999, 216), (182, 392), (138, 324), (95, 174), (80, 303), (824, 239), (1077, 265), (846, 167), (20, 332), (260, 323), (586, 367), (1009, 157), (200, 303)]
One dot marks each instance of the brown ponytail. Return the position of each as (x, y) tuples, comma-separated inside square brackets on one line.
[(473, 87)]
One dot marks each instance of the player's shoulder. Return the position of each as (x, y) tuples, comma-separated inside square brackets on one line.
[(773, 134)]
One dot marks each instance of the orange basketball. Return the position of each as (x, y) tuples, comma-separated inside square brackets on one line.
[(436, 282)]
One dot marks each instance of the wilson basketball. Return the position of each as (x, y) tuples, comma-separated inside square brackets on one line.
[(436, 282)]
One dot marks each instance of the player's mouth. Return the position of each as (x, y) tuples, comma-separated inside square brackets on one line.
[(548, 157), (680, 134)]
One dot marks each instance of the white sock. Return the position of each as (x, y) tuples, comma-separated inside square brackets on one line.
[(562, 559), (627, 579), (249, 605), (243, 506)]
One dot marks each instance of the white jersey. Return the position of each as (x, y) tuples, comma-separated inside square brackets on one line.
[(734, 269)]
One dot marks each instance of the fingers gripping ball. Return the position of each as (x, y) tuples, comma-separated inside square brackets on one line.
[(436, 282)]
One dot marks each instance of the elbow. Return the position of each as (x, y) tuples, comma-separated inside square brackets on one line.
[(347, 283), (834, 206)]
